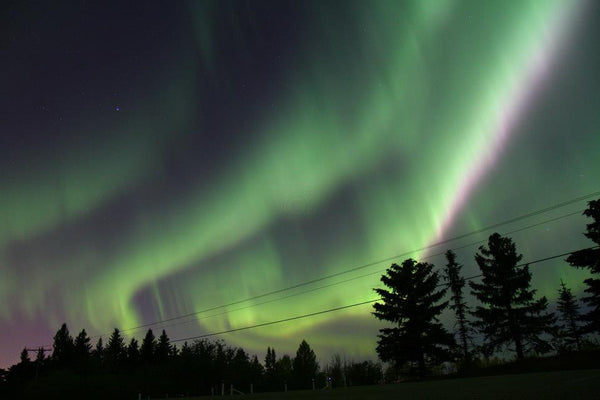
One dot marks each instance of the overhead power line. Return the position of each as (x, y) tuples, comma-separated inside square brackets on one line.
[(275, 322), (370, 264), (329, 310), (379, 271)]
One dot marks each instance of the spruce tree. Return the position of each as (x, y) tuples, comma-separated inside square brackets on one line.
[(163, 348), (569, 314), (456, 283), (82, 349), (25, 357), (98, 354), (63, 347), (413, 305), (270, 360), (590, 259), (147, 349), (510, 313), (116, 352), (304, 366), (133, 353)]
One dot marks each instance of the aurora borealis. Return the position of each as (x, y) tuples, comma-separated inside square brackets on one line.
[(165, 158)]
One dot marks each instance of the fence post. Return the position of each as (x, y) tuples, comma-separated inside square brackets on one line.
[(222, 388), (251, 388), (231, 389), (285, 386)]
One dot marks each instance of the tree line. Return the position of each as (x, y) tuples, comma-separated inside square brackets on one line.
[(509, 315), (156, 367)]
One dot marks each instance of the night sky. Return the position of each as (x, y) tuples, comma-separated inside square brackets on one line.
[(163, 158)]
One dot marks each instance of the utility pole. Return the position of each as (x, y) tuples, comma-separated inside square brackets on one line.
[(39, 350)]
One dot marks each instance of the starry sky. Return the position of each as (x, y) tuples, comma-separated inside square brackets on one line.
[(169, 159)]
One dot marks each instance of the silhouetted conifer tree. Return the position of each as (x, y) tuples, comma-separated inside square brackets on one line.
[(590, 259), (133, 353), (456, 283), (148, 347), (413, 305), (83, 347), (63, 347), (25, 357), (256, 371), (163, 348), (270, 359), (115, 352), (569, 314), (511, 314), (98, 353), (82, 350), (304, 366), (283, 371)]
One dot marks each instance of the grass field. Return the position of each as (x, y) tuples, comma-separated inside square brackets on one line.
[(578, 384)]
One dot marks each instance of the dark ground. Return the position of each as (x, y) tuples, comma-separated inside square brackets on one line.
[(575, 384)]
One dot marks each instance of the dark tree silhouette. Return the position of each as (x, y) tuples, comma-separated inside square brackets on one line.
[(133, 353), (270, 360), (163, 348), (115, 352), (63, 347), (82, 350), (25, 357), (456, 283), (364, 373), (590, 259), (336, 371), (98, 353), (569, 314), (413, 305), (270, 376), (148, 348), (283, 371), (304, 366), (511, 314)]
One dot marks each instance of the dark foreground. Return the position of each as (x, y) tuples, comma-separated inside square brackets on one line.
[(578, 384)]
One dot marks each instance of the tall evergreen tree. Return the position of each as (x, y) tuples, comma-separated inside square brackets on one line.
[(304, 366), (590, 259), (413, 305), (569, 314), (511, 314), (115, 351), (25, 357), (82, 345), (82, 349), (133, 353), (98, 353), (63, 347), (147, 349), (283, 371), (270, 375), (456, 283), (270, 360), (163, 348)]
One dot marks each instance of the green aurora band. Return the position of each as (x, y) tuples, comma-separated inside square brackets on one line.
[(376, 146)]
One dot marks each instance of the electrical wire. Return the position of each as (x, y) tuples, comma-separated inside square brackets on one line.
[(349, 305), (370, 264)]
